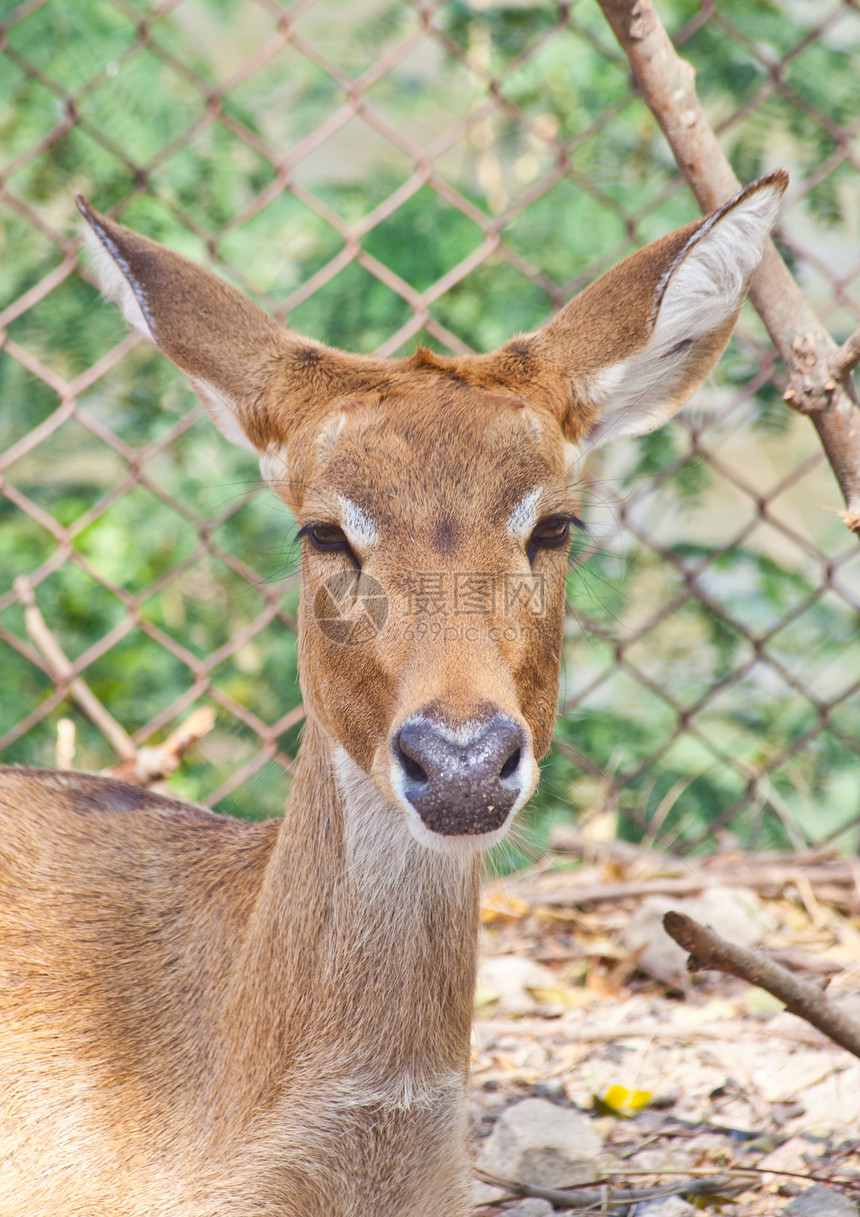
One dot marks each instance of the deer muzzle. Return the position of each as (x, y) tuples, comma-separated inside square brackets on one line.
[(461, 781)]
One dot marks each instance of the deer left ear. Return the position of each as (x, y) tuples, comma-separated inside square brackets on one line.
[(638, 342)]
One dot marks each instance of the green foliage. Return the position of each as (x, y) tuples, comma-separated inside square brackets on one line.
[(683, 707)]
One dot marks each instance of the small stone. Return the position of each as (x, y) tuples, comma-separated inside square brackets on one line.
[(820, 1201), (553, 1088), (666, 1206), (507, 981), (533, 1207), (484, 1194), (539, 1142)]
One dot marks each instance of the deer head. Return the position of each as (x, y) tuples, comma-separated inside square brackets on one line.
[(432, 494)]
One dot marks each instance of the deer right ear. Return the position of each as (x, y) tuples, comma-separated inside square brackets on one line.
[(636, 344), (227, 346)]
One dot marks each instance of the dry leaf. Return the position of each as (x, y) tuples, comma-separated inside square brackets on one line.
[(503, 908)]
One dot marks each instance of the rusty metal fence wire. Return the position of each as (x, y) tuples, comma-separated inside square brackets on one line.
[(382, 174)]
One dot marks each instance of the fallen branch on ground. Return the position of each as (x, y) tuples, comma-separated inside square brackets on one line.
[(557, 1028), (806, 1000), (593, 1195), (568, 839), (833, 878), (838, 891)]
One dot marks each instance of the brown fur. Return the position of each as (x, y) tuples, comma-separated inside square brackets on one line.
[(206, 1018)]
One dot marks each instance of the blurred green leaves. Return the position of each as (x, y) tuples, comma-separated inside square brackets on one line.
[(573, 174)]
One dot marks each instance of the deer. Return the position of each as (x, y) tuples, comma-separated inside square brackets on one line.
[(202, 1017)]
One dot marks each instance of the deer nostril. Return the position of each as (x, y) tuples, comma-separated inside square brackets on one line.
[(511, 764), (410, 766)]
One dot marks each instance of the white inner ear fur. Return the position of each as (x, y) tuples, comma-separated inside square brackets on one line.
[(697, 295), (274, 468), (117, 287), (225, 415), (114, 284)]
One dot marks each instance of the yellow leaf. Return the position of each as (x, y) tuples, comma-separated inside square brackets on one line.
[(626, 1102), (601, 827), (549, 913)]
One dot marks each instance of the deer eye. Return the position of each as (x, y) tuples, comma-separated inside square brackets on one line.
[(328, 538), (325, 536), (551, 533)]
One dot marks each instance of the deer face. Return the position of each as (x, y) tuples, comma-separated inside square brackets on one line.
[(432, 493), (435, 530)]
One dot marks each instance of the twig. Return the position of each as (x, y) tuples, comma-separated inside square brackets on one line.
[(832, 885), (819, 873), (60, 670), (847, 357), (152, 764), (589, 1195), (144, 765), (708, 950), (554, 1027), (65, 749), (819, 372), (567, 839)]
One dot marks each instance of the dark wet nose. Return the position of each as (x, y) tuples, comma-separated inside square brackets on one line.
[(461, 786)]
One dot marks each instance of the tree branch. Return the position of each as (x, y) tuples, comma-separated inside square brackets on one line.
[(153, 763), (847, 357), (142, 765), (806, 1000), (60, 669), (819, 371)]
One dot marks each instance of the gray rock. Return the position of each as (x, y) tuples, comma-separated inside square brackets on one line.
[(669, 1206), (539, 1142), (483, 1194), (508, 981), (531, 1208), (735, 913), (820, 1201)]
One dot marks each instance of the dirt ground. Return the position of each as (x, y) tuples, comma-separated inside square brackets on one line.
[(583, 1001)]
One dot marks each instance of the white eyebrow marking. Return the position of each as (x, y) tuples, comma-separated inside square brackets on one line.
[(523, 518), (356, 523)]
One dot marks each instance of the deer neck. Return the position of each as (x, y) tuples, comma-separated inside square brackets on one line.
[(358, 962)]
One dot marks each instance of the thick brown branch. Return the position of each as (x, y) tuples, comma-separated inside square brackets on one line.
[(806, 1000), (667, 84)]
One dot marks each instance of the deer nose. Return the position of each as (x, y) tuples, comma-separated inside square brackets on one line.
[(461, 783)]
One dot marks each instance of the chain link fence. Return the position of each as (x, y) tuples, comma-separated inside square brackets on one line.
[(379, 175)]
